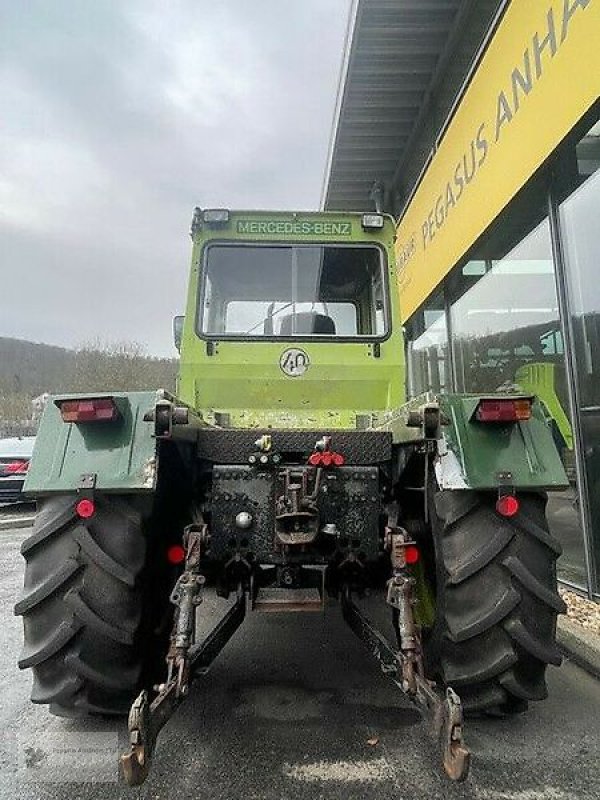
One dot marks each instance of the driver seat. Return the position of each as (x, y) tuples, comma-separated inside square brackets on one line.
[(307, 322)]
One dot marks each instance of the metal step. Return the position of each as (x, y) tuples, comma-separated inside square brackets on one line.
[(278, 599)]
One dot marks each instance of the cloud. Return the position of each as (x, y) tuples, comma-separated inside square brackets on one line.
[(118, 118)]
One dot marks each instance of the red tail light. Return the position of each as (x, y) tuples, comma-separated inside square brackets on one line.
[(507, 505), (89, 409), (15, 468), (505, 410), (85, 508), (175, 554), (411, 554)]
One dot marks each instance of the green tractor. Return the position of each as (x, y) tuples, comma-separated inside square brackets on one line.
[(291, 473)]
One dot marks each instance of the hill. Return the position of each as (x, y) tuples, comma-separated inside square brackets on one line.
[(28, 369)]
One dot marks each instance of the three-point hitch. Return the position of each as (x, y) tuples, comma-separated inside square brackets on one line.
[(403, 665)]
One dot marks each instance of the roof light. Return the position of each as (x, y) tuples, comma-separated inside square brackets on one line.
[(372, 221), (507, 505), (504, 410), (216, 216), (88, 409)]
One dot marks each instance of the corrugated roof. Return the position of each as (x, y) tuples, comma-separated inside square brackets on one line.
[(393, 51)]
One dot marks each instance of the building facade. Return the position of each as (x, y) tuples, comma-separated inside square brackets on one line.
[(496, 188)]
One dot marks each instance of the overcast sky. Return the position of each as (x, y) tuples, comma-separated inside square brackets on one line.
[(118, 117)]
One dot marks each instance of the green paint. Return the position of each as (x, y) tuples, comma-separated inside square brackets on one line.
[(540, 379), (294, 227), (122, 455), (425, 607), (244, 379), (526, 450)]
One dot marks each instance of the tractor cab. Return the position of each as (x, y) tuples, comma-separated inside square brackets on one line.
[(291, 319)]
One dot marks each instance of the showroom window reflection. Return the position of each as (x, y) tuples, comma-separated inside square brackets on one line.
[(428, 368), (506, 336), (508, 319), (579, 215), (500, 312)]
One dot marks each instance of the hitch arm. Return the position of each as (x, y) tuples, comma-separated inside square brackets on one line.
[(147, 719), (444, 710)]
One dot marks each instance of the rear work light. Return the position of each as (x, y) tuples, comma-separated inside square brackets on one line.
[(372, 221), (504, 410), (15, 468), (216, 216), (89, 409)]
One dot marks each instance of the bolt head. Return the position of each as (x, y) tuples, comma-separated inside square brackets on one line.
[(243, 520)]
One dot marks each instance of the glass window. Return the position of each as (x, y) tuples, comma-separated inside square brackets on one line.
[(503, 323), (587, 152), (507, 336), (428, 368), (475, 268), (579, 216), (248, 316), (285, 291)]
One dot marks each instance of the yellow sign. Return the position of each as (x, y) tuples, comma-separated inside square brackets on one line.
[(538, 76)]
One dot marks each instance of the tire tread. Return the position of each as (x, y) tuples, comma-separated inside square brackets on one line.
[(497, 600), (82, 606)]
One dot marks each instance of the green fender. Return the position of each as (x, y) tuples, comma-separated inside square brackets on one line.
[(478, 455), (122, 454)]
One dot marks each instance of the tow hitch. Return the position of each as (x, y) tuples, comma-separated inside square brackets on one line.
[(405, 665)]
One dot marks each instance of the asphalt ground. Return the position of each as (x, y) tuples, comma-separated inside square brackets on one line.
[(293, 708), (18, 515)]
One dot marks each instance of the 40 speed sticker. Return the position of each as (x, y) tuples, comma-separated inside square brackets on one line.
[(294, 362)]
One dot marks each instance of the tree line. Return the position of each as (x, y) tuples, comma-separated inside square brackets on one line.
[(28, 369)]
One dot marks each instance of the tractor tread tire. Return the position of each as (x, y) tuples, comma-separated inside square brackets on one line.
[(497, 601), (82, 606)]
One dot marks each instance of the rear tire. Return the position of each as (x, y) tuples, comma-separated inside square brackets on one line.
[(82, 606), (497, 601)]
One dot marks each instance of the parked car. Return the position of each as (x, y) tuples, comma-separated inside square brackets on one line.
[(15, 455)]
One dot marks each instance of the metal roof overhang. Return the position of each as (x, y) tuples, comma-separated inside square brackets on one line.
[(394, 49)]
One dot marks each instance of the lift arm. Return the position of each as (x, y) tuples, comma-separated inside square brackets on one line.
[(147, 719), (185, 661), (405, 666)]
